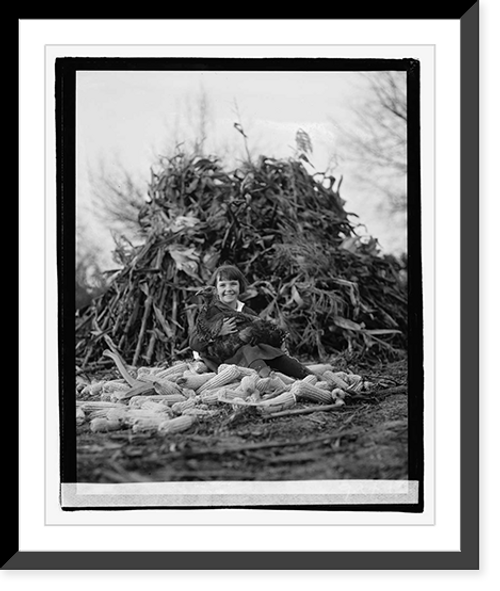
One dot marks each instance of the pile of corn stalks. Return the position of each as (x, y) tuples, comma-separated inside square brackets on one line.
[(175, 398), (289, 233)]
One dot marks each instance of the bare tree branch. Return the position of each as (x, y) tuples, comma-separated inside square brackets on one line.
[(376, 143)]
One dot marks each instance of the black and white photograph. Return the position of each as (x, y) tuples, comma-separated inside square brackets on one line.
[(245, 323)]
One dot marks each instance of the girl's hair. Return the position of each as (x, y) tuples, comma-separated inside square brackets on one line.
[(230, 273)]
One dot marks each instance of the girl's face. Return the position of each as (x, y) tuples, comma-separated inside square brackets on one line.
[(228, 290)]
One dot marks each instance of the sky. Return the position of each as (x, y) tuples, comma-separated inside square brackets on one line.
[(128, 117)]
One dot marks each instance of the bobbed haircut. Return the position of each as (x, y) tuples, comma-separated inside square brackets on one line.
[(230, 273)]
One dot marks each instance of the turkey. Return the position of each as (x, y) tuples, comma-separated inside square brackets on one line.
[(251, 329)]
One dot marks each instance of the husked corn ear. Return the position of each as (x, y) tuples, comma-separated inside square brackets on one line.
[(248, 385), (271, 385), (115, 386), (223, 367), (310, 379), (177, 424), (148, 372), (135, 415), (94, 388), (173, 398), (147, 423), (199, 367), (195, 381), (354, 383), (154, 406), (230, 394), (101, 424), (97, 412), (165, 400), (200, 412), (287, 380), (85, 404), (80, 416), (230, 374), (247, 371), (174, 370), (116, 414), (305, 390), (210, 396), (188, 393), (179, 407), (335, 380), (338, 394), (81, 383), (279, 403), (320, 368), (165, 387)]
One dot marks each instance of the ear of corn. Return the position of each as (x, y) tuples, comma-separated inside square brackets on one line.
[(337, 394), (320, 368), (101, 424), (94, 388), (116, 414), (148, 372), (179, 407), (247, 371), (210, 397), (154, 406), (80, 416), (195, 381), (188, 393), (287, 380), (147, 423), (197, 367), (177, 424), (200, 412), (92, 404), (310, 379), (230, 374), (278, 403), (230, 394), (270, 385), (166, 387), (115, 386), (306, 390), (174, 370), (167, 400), (353, 383), (248, 385), (335, 380), (141, 388)]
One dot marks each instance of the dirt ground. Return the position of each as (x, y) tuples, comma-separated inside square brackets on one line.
[(365, 439)]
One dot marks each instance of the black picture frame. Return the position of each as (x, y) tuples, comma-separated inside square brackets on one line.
[(468, 556)]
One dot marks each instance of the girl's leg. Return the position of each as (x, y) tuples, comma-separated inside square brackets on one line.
[(289, 366)]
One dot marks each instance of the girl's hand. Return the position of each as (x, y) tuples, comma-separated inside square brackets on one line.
[(228, 327)]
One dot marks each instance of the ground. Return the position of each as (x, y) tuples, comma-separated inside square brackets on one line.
[(365, 439)]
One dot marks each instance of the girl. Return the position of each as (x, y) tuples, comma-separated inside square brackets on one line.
[(230, 284)]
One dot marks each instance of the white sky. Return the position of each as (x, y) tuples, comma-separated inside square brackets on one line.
[(126, 117)]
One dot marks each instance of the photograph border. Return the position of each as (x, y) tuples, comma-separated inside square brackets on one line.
[(73, 498)]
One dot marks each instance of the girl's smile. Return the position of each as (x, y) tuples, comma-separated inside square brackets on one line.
[(228, 291)]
